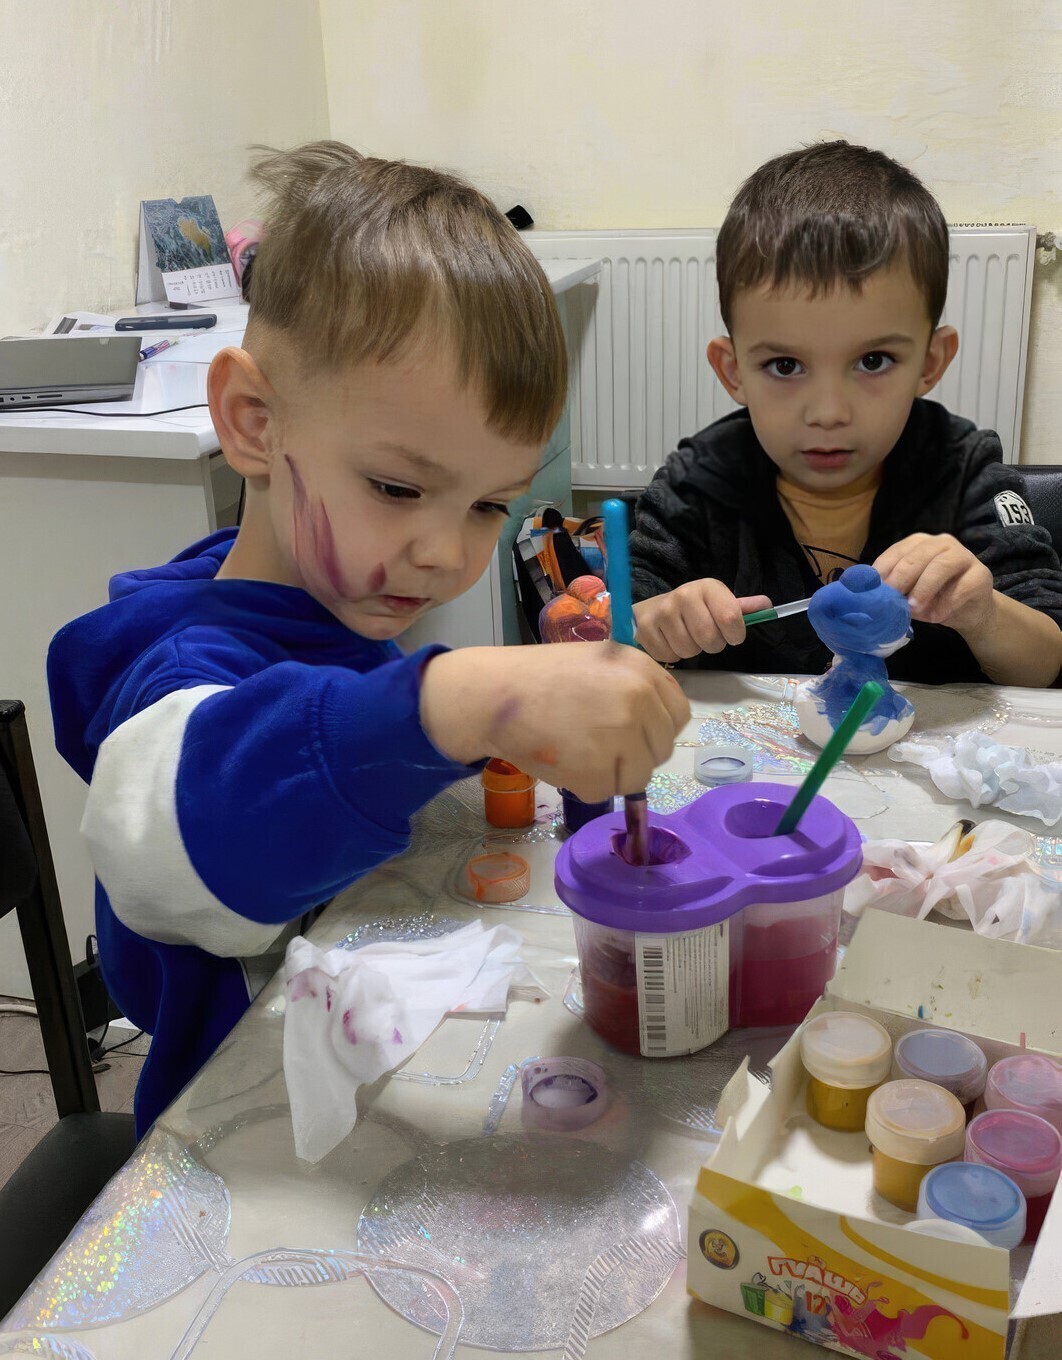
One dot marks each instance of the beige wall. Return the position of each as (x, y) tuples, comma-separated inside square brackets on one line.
[(106, 102), (642, 113)]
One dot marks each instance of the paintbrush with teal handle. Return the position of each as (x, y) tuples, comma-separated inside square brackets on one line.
[(618, 559)]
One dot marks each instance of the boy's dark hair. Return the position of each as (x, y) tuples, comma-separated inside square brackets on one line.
[(829, 213), (363, 259)]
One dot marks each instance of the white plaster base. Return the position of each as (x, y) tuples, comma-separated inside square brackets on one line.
[(817, 727)]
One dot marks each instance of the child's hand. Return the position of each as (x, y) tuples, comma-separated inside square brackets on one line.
[(701, 616), (943, 581), (592, 717)]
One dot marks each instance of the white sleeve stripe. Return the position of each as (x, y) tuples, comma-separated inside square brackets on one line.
[(135, 842)]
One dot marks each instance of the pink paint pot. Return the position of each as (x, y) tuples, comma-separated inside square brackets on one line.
[(1029, 1082), (1026, 1148)]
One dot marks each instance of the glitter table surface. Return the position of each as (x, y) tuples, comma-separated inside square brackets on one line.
[(216, 1241)]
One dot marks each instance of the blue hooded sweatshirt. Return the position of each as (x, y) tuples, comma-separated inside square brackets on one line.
[(248, 758)]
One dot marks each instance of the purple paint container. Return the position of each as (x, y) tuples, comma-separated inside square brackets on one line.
[(726, 926)]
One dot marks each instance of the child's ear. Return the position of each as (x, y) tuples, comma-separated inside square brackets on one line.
[(723, 360), (241, 408), (943, 347)]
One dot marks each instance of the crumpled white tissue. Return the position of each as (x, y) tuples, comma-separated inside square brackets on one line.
[(353, 1015), (974, 767), (993, 883)]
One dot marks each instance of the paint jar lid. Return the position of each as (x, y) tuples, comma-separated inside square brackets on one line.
[(844, 1049), (942, 1056), (501, 777), (563, 1094), (917, 1122), (1023, 1145), (978, 1197), (1027, 1081), (714, 765), (944, 1227), (496, 878)]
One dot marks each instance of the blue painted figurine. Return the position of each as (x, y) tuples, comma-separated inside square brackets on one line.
[(862, 621)]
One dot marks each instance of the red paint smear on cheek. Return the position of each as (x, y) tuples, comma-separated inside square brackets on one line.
[(377, 578), (546, 755)]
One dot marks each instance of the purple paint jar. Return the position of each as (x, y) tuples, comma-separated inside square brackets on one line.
[(728, 925), (946, 1058), (577, 813), (1026, 1148)]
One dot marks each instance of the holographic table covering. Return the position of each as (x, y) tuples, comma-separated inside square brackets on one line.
[(441, 1227)]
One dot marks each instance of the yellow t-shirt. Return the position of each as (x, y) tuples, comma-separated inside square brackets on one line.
[(831, 526)]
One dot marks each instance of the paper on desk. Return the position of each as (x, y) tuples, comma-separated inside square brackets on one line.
[(353, 1015)]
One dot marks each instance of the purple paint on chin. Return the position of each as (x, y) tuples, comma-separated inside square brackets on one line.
[(396, 1037)]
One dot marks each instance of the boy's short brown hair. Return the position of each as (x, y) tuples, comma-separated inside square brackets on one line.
[(363, 259), (828, 213)]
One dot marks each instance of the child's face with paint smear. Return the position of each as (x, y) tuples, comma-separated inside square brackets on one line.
[(387, 490)]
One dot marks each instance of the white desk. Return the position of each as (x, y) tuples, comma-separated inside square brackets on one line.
[(83, 496), (103, 489)]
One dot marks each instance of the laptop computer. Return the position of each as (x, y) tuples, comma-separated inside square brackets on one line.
[(57, 370)]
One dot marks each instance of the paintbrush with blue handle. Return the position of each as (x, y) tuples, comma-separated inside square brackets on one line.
[(618, 560)]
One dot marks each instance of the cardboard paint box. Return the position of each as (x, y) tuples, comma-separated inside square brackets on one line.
[(784, 1226)]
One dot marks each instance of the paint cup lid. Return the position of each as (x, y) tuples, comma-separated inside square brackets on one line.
[(978, 1197), (1023, 1145), (942, 1056), (715, 765), (917, 1122), (844, 1049), (1026, 1081), (501, 777), (708, 861)]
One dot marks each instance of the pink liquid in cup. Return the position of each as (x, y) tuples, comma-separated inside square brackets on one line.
[(727, 925)]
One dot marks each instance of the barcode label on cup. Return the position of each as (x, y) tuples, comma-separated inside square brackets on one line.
[(683, 990)]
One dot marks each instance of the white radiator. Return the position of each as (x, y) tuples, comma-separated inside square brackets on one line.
[(638, 333)]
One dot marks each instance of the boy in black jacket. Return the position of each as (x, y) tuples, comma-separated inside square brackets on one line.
[(833, 270)]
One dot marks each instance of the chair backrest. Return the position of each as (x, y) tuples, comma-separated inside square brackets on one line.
[(1043, 491), (28, 887)]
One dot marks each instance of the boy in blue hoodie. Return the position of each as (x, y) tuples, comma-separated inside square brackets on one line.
[(253, 737)]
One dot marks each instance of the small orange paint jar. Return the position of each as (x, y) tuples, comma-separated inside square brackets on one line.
[(508, 795)]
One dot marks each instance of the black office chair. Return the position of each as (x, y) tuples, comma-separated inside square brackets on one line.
[(1043, 492), (72, 1163)]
